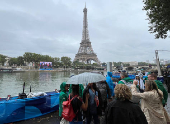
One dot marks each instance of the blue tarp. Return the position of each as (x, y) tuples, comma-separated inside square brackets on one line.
[(118, 76), (21, 109), (161, 78)]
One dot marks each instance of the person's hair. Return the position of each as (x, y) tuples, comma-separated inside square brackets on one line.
[(151, 85), (122, 92), (154, 75), (75, 89), (124, 74), (94, 86)]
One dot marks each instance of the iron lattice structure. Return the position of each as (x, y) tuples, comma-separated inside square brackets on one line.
[(85, 53)]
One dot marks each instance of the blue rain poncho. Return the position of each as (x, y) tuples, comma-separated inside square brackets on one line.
[(110, 83)]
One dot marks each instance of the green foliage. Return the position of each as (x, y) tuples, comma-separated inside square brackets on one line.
[(66, 61), (104, 64), (2, 59), (95, 64), (56, 62), (33, 57), (13, 61), (117, 64), (143, 64), (20, 61), (126, 65), (28, 56), (158, 12)]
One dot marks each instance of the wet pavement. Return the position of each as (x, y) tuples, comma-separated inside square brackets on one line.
[(53, 117)]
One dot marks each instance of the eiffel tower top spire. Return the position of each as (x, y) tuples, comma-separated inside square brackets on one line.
[(85, 34)]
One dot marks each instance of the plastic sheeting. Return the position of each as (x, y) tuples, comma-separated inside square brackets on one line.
[(21, 109), (118, 76)]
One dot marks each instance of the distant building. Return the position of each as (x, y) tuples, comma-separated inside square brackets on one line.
[(154, 61), (6, 63), (162, 61), (168, 61), (131, 63), (165, 62), (147, 61)]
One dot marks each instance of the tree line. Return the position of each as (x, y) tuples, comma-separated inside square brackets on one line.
[(57, 62), (37, 58)]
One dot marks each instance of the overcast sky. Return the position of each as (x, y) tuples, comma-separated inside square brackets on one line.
[(118, 29)]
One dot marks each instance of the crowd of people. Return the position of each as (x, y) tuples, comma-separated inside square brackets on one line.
[(138, 101)]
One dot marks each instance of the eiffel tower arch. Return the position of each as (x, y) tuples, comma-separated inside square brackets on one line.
[(85, 53)]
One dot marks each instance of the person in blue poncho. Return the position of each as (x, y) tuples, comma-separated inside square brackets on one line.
[(110, 83)]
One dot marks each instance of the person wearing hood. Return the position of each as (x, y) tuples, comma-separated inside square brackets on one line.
[(110, 83), (81, 89), (63, 97), (125, 79), (128, 82), (161, 87)]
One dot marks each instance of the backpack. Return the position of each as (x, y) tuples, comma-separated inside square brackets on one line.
[(68, 112), (96, 99)]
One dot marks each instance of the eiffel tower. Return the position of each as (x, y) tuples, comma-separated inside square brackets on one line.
[(85, 53)]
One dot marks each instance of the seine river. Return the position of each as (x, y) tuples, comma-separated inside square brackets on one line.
[(12, 83)]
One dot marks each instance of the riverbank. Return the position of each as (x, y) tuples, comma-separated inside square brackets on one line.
[(31, 68)]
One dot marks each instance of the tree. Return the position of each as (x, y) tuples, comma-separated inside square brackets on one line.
[(20, 61), (66, 61), (126, 65), (158, 12), (117, 64), (28, 57), (56, 62), (143, 64), (13, 61), (2, 59)]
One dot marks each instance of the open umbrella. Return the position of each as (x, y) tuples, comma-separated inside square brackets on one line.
[(85, 78)]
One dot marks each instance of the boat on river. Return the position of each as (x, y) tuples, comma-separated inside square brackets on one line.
[(13, 109)]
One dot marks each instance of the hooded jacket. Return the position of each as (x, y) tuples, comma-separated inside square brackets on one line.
[(104, 90), (81, 89), (110, 82), (165, 93), (127, 79), (63, 97)]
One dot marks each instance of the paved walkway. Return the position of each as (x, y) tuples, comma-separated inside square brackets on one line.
[(51, 118)]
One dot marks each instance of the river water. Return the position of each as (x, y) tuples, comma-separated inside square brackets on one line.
[(12, 83)]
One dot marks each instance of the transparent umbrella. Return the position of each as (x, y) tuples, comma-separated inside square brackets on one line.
[(85, 78)]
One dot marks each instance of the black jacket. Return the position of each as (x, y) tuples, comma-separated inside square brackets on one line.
[(124, 112), (104, 90), (99, 108)]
